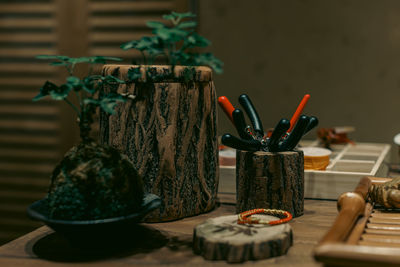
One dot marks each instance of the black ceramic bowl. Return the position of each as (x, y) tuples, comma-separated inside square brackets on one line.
[(93, 228)]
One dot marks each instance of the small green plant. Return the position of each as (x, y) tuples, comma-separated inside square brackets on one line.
[(92, 181), (85, 89), (176, 40)]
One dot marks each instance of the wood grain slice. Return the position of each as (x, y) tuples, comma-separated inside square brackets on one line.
[(222, 238)]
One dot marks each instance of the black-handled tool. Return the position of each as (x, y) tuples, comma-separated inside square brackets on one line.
[(240, 124), (234, 142), (245, 101), (294, 137), (313, 122), (280, 130)]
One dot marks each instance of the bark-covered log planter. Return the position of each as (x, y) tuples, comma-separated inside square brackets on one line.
[(168, 130), (270, 180)]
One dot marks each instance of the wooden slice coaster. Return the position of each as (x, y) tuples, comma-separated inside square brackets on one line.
[(222, 238)]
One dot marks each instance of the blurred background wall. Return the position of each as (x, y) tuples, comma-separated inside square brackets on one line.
[(344, 53)]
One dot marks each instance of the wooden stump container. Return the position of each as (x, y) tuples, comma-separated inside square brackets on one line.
[(168, 129), (270, 180)]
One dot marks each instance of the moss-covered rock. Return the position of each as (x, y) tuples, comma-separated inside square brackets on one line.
[(94, 182)]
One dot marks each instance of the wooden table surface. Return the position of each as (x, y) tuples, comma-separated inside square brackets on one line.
[(163, 244)]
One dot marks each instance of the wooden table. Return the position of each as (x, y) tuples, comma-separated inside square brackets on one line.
[(164, 244)]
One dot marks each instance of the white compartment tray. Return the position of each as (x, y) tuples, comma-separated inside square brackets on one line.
[(348, 163)]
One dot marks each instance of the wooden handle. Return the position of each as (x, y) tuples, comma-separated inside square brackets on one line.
[(351, 206), (338, 245), (363, 186), (379, 180)]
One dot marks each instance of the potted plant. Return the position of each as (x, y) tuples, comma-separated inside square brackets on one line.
[(93, 183), (167, 127)]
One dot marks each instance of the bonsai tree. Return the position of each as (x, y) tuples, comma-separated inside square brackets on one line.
[(92, 181), (85, 90), (176, 42)]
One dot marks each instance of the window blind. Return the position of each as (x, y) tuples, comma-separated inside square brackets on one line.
[(29, 132), (34, 135)]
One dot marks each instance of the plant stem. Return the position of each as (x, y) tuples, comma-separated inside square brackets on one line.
[(79, 98), (69, 70), (167, 56), (73, 106), (170, 52), (72, 68), (90, 69), (86, 119), (144, 57)]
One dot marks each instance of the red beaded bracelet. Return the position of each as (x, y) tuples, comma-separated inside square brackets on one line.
[(244, 217)]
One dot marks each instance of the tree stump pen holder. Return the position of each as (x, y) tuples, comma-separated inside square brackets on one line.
[(270, 180), (167, 128)]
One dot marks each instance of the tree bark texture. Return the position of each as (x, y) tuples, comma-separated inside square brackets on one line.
[(221, 238), (270, 181), (168, 130)]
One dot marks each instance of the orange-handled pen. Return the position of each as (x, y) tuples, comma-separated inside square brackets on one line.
[(226, 106), (298, 112)]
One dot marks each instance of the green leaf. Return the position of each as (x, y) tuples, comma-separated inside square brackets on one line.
[(91, 101), (146, 43), (76, 60), (189, 74), (64, 60), (155, 24), (73, 80), (182, 57), (168, 17), (91, 89), (112, 58), (111, 79), (108, 106), (90, 83), (175, 42), (60, 60), (75, 83), (134, 74), (196, 40), (69, 62), (59, 57), (109, 102), (59, 63), (208, 59), (114, 97), (92, 78), (61, 92), (187, 24), (45, 90), (171, 35), (129, 45), (38, 97), (103, 60), (183, 15), (163, 33)]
